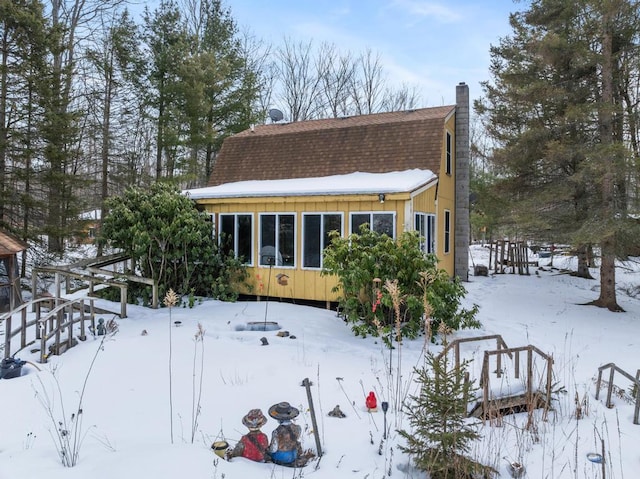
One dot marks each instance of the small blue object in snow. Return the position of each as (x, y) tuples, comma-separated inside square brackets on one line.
[(595, 457), (11, 368)]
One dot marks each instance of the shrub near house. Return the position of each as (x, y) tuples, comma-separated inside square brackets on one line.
[(366, 262), (170, 241)]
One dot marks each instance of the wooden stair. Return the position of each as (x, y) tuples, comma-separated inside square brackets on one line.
[(502, 406)]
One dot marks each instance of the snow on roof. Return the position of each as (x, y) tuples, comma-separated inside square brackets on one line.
[(90, 215), (352, 183)]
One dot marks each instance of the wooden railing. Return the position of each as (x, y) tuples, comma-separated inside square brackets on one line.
[(530, 350), (455, 345), (51, 324), (513, 354), (636, 382), (94, 271)]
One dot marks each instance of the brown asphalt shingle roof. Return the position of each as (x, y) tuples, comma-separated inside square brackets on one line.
[(376, 143)]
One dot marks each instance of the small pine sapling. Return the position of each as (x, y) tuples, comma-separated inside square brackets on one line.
[(440, 433)]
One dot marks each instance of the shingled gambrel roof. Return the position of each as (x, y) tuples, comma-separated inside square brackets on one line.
[(376, 143)]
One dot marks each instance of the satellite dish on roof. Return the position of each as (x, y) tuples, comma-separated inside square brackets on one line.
[(275, 115)]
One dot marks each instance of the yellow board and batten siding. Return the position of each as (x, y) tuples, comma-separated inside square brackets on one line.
[(446, 199), (301, 283)]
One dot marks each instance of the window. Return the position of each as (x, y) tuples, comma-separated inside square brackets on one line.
[(448, 164), (236, 234), (277, 239), (382, 223), (426, 228), (315, 236), (447, 231)]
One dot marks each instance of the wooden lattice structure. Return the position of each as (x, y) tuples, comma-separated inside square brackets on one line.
[(514, 255)]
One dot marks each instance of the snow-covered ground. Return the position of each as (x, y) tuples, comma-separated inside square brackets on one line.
[(126, 410)]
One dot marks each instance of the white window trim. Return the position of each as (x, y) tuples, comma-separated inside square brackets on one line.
[(435, 229), (235, 233), (321, 213), (448, 153), (295, 237), (371, 213)]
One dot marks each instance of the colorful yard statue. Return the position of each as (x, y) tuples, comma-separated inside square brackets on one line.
[(285, 447), (252, 445), (371, 402)]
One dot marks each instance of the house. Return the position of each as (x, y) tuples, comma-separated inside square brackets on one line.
[(87, 226), (277, 190)]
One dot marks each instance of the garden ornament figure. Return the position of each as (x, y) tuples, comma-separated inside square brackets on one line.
[(371, 402), (252, 445), (101, 328), (285, 447)]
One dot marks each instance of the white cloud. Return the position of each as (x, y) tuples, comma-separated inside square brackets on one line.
[(434, 10)]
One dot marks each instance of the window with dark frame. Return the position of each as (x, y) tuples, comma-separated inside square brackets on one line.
[(447, 231), (277, 239), (236, 235), (316, 236), (448, 164), (382, 223)]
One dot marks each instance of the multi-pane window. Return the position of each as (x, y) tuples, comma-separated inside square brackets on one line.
[(277, 239), (315, 236), (447, 231), (382, 223), (426, 228), (448, 164), (236, 232)]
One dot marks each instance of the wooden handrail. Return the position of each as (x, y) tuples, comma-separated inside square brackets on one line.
[(530, 349), (45, 328), (635, 380), (500, 344)]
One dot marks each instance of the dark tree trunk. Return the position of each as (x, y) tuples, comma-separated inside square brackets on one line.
[(583, 262), (607, 297)]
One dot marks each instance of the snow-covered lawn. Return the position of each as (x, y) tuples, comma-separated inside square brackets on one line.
[(126, 428)]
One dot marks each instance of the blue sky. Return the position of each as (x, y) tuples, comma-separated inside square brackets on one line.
[(432, 44)]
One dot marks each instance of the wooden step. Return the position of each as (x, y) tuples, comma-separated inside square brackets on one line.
[(503, 406)]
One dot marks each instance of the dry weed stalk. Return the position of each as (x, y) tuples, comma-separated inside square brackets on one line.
[(426, 279), (444, 331), (198, 339), (581, 406), (170, 300), (69, 432), (396, 298)]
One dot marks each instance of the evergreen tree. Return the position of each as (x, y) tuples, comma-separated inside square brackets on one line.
[(22, 49), (560, 144), (204, 85), (440, 433), (118, 67), (168, 43), (220, 87)]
